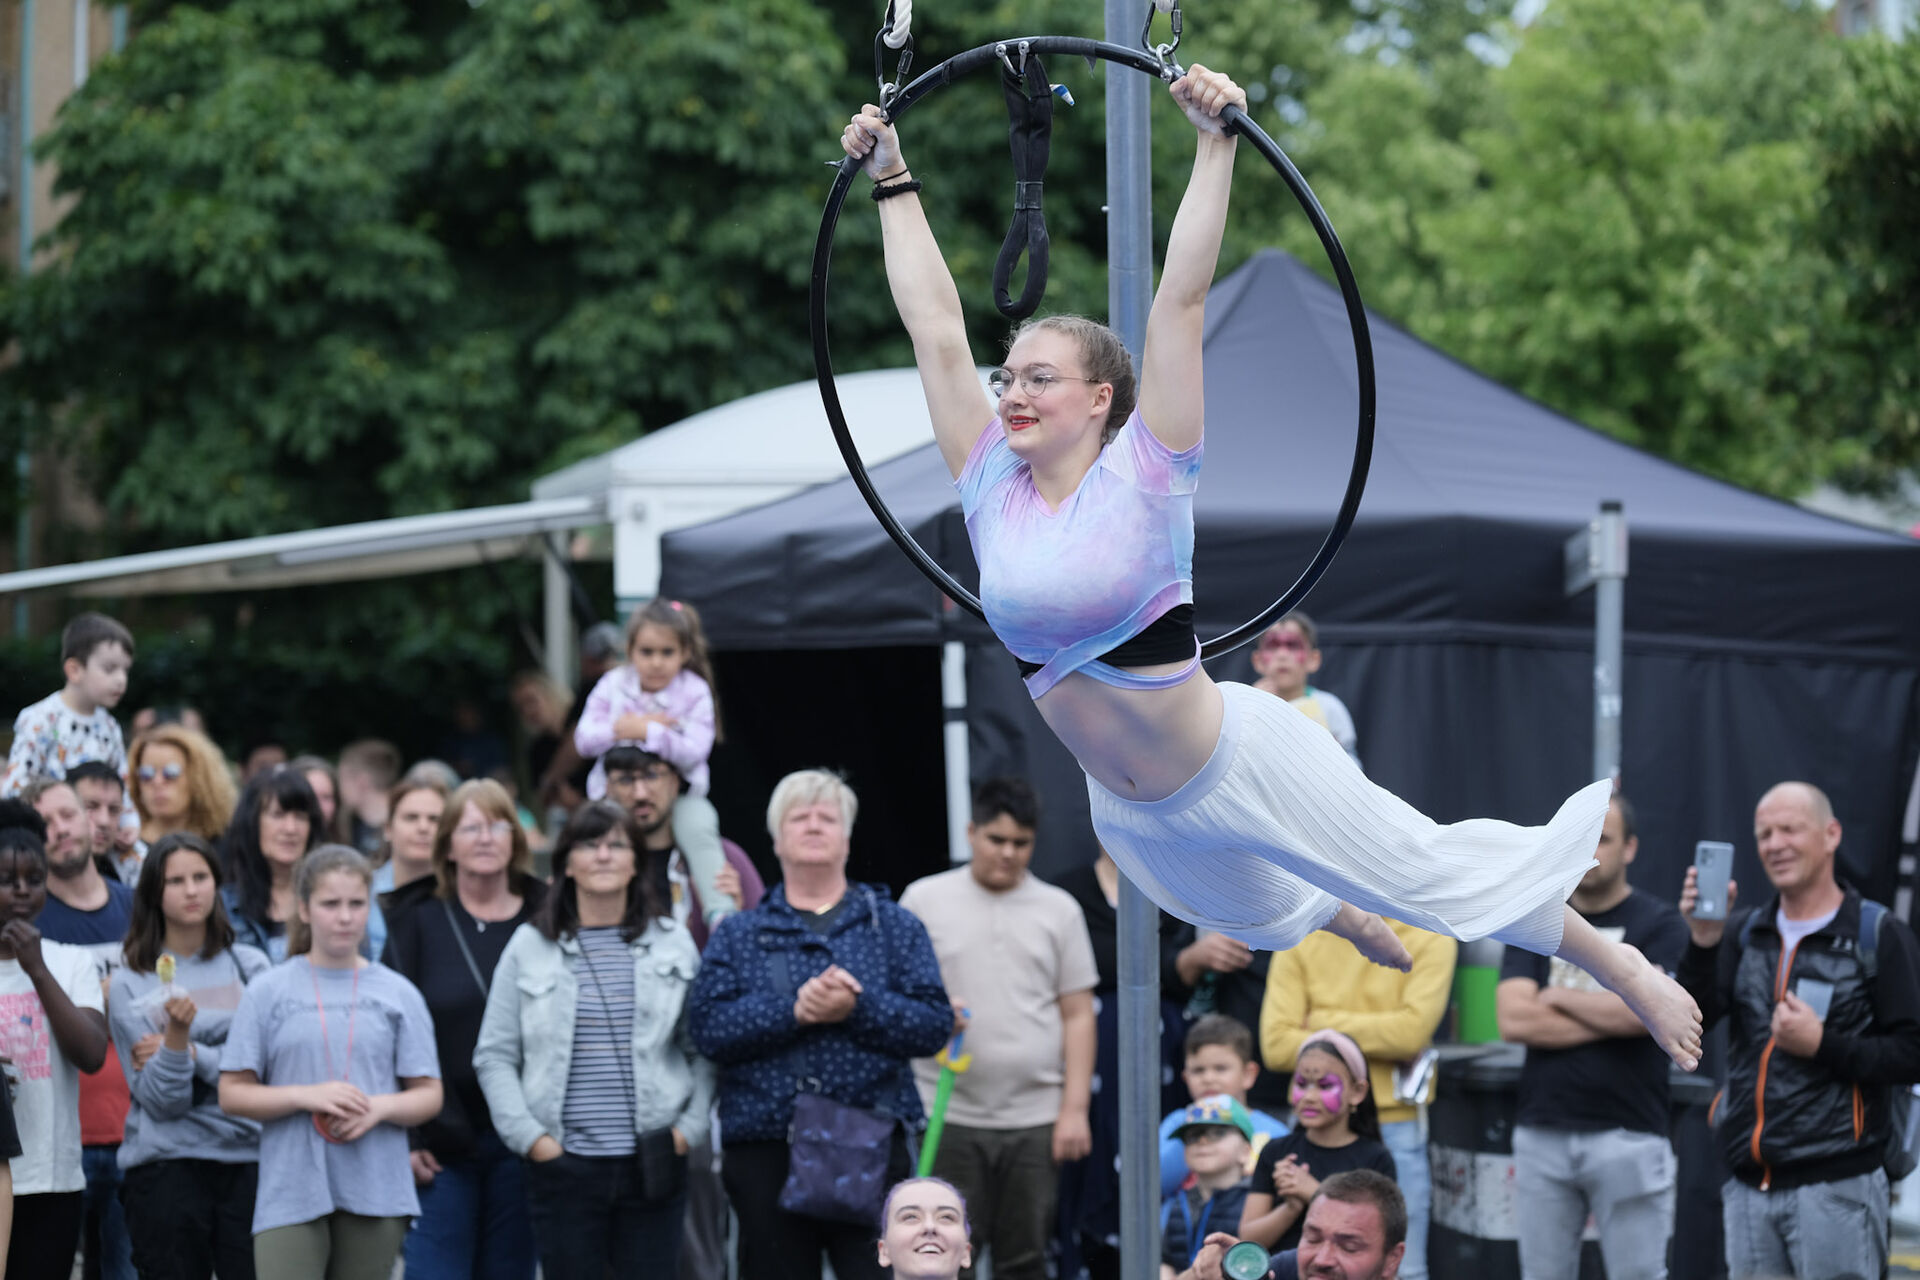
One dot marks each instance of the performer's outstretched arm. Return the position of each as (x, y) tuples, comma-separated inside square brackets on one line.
[(924, 294), (1170, 383)]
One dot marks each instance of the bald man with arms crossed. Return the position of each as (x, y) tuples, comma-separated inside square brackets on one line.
[(1821, 993)]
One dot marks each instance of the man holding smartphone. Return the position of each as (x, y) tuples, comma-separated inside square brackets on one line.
[(1592, 1132), (1823, 1027)]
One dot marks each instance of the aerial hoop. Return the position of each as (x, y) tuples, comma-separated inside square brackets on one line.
[(896, 102)]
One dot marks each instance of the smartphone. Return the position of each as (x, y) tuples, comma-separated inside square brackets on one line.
[(1817, 994), (1713, 867)]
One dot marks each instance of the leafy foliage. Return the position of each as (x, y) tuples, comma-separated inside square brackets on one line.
[(331, 260)]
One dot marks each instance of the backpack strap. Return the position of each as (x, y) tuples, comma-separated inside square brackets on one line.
[(1872, 917)]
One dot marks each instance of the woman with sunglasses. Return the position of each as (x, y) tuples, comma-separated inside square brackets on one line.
[(190, 1167), (586, 1059), (1226, 806), (178, 781), (446, 935)]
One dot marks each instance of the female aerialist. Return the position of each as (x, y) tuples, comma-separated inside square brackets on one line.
[(1224, 804)]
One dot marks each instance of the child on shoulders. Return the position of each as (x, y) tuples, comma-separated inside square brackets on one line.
[(75, 723)]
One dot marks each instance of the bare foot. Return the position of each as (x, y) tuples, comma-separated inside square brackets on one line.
[(1371, 937), (1671, 1016)]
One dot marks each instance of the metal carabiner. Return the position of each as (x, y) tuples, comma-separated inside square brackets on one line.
[(1000, 52), (1163, 53), (890, 89)]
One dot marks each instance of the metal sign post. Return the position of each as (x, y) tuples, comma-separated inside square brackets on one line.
[(1597, 557)]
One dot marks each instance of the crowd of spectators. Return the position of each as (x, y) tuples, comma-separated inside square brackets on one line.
[(299, 1016)]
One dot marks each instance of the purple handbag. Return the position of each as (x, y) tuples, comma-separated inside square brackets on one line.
[(837, 1162), (837, 1154)]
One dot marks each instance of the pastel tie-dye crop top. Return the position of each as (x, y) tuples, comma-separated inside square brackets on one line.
[(1062, 587)]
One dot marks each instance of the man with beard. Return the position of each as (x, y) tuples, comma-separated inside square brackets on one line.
[(647, 787), (114, 844), (1592, 1132), (89, 910), (1355, 1229)]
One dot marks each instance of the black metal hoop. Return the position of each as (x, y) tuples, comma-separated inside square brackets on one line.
[(1236, 121)]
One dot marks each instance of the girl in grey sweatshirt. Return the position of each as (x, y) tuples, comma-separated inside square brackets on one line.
[(189, 1166)]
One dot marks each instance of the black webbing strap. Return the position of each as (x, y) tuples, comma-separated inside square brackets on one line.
[(1029, 129)]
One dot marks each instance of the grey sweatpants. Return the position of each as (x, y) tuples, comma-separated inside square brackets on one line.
[(1623, 1178), (1823, 1231)]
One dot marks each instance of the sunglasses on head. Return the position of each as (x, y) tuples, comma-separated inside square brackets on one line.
[(171, 772)]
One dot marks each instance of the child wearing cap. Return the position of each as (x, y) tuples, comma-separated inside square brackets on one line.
[(1216, 1135), (1219, 1059)]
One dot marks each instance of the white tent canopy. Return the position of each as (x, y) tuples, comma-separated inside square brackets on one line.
[(750, 451), (753, 450)]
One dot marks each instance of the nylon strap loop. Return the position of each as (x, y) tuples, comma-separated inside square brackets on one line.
[(1029, 135)]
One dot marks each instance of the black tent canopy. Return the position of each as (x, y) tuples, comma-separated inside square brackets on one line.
[(1763, 641)]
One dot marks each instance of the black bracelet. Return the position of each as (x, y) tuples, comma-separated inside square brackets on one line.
[(897, 189)]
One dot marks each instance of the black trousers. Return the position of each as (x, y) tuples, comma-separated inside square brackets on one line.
[(46, 1231), (590, 1219), (189, 1219), (777, 1245)]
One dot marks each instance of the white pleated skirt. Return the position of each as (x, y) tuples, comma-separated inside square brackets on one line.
[(1280, 826)]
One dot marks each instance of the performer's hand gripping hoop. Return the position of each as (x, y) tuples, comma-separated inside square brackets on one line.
[(1157, 61)]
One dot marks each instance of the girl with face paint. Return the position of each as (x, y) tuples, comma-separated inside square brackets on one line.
[(1336, 1128)]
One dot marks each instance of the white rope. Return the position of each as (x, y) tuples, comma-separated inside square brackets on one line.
[(1164, 6), (903, 22)]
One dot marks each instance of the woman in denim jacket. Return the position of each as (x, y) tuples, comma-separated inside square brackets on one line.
[(825, 986), (586, 1061)]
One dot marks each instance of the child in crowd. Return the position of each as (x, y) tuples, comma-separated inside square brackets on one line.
[(1286, 657), (52, 1027), (1219, 1060), (334, 1056), (190, 1167), (75, 723), (1336, 1128), (661, 699), (1217, 1136)]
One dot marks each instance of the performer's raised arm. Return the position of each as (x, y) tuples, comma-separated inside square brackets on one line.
[(923, 292), (1170, 382)]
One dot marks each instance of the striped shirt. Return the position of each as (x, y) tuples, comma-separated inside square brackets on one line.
[(598, 1114)]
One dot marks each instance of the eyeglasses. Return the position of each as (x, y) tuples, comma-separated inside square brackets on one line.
[(1297, 644), (1035, 382), (651, 773), (171, 772), (498, 830), (605, 844)]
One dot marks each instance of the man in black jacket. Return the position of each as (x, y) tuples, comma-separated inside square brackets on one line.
[(1824, 1025)]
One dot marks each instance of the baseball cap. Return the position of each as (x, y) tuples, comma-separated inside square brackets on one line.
[(1220, 1110)]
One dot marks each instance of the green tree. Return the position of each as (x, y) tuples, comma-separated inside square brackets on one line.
[(333, 262)]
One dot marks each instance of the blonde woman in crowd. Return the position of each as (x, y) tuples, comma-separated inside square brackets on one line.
[(178, 781)]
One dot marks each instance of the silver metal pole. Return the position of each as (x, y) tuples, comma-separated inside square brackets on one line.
[(1609, 623), (953, 703), (1129, 295)]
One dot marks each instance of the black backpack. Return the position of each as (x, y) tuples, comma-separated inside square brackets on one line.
[(1902, 1153)]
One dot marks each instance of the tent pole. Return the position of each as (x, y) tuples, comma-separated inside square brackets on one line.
[(1129, 295), (557, 613)]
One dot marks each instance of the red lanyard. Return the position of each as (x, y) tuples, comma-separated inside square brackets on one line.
[(353, 1007)]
